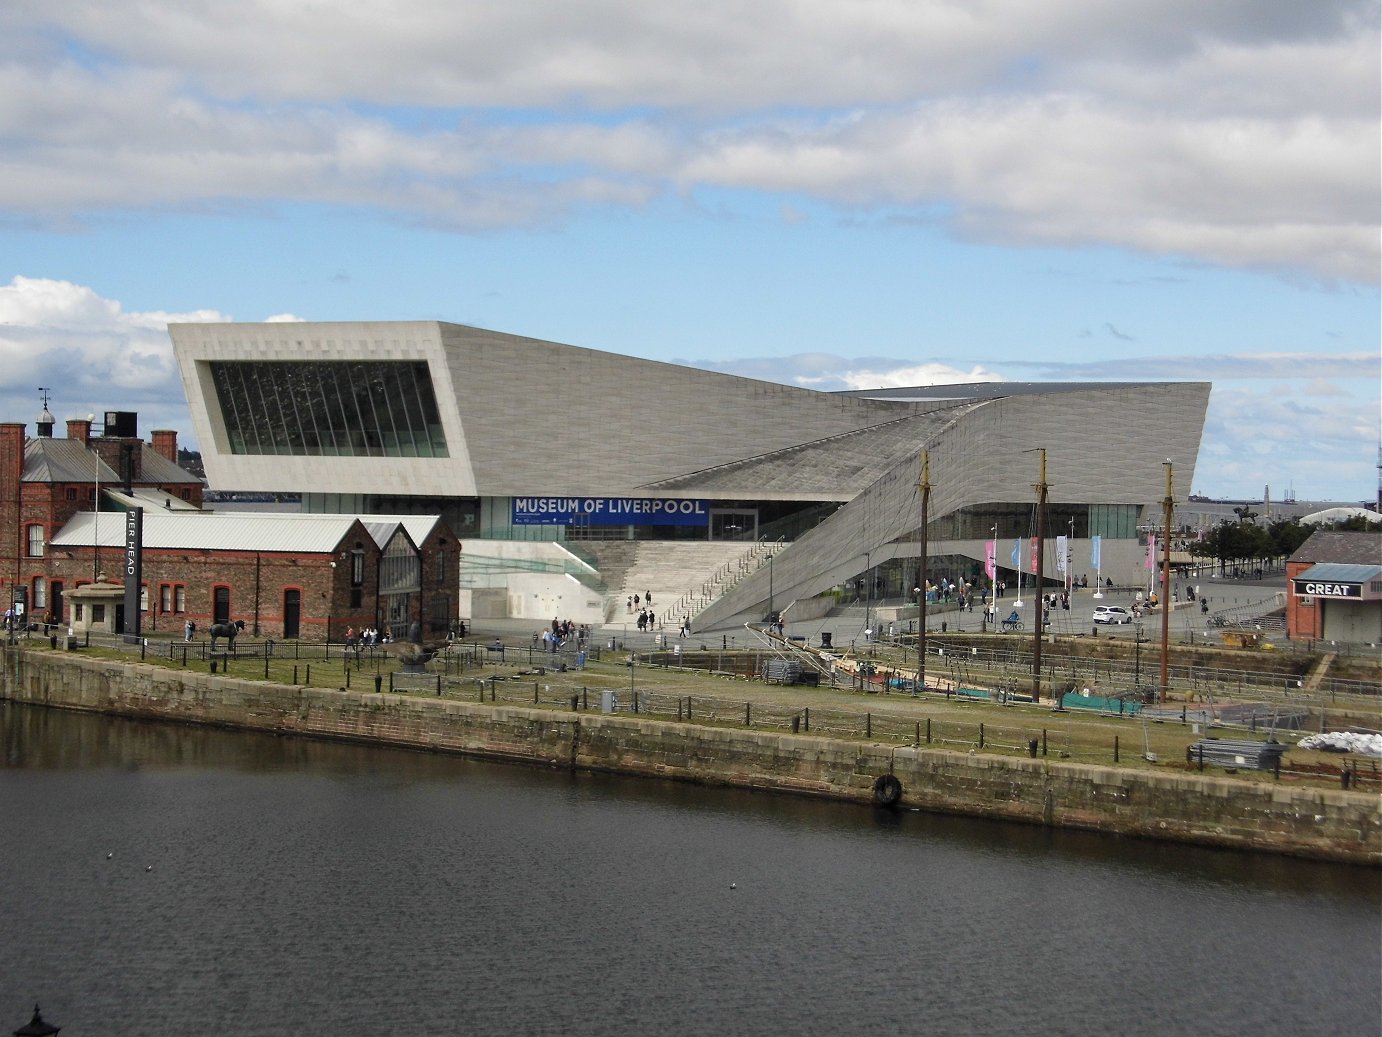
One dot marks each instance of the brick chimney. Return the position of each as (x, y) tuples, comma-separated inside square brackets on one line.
[(79, 428), (166, 443), (11, 468), (123, 454), (11, 459)]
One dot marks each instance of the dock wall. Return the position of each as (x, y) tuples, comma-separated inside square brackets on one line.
[(1170, 805)]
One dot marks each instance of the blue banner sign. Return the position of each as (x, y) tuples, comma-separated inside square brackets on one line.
[(609, 511)]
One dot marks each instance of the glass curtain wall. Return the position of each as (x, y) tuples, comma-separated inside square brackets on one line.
[(352, 408)]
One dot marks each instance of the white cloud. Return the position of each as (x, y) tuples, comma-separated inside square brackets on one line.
[(1266, 424), (1242, 133), (89, 352)]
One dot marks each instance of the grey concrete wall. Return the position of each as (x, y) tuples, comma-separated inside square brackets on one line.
[(1316, 823)]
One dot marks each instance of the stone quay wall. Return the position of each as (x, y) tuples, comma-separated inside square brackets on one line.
[(1323, 824)]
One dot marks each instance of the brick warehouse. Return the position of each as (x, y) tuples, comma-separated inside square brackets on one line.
[(284, 575)]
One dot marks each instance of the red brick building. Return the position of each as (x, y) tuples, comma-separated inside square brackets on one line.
[(45, 481), (285, 575), (1334, 588)]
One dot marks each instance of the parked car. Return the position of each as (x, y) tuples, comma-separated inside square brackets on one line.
[(1111, 614)]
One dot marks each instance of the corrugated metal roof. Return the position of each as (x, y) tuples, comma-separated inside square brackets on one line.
[(199, 530), (419, 527), (1340, 572), (147, 497)]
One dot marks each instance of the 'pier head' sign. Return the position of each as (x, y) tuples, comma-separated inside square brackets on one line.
[(610, 511)]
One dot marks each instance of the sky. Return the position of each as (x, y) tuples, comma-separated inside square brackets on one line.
[(841, 194)]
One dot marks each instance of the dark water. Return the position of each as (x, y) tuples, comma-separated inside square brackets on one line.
[(310, 888)]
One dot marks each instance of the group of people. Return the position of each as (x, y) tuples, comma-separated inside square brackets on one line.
[(635, 600), (366, 637), (560, 632)]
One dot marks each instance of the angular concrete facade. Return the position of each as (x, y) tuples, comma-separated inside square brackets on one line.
[(518, 416)]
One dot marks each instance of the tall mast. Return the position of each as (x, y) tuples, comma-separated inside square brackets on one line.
[(1041, 489), (925, 487), (1167, 510)]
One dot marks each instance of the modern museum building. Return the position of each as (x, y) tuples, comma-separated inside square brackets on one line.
[(515, 440)]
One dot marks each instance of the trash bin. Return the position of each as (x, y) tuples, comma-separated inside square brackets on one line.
[(826, 635)]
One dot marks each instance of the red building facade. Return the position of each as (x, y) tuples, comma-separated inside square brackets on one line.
[(286, 576)]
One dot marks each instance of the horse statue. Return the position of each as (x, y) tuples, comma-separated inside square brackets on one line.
[(227, 630)]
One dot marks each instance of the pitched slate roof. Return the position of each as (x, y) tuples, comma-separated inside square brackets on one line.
[(64, 460), (48, 460), (1334, 546)]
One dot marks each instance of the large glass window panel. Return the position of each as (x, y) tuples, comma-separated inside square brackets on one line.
[(357, 408)]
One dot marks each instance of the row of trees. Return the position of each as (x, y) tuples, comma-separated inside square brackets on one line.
[(1245, 543)]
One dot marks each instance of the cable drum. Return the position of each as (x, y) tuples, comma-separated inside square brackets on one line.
[(887, 790)]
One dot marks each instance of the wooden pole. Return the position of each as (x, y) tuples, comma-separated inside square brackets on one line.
[(1167, 509), (1041, 489), (925, 487)]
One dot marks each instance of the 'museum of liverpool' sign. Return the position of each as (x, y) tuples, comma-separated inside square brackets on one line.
[(609, 511)]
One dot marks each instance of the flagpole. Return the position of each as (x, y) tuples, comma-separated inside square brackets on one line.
[(1017, 601)]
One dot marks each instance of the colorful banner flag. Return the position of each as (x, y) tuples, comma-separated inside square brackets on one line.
[(1150, 563), (1095, 542), (1035, 548), (1062, 551), (1017, 553), (990, 561)]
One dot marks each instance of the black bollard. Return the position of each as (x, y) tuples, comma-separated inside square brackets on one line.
[(1032, 748), (378, 682)]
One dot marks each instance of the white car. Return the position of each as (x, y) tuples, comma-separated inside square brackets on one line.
[(1111, 614)]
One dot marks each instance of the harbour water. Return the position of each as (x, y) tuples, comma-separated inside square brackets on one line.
[(159, 879)]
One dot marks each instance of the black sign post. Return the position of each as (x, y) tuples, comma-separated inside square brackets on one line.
[(134, 572)]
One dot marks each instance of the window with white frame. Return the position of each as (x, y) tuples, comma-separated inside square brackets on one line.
[(35, 536)]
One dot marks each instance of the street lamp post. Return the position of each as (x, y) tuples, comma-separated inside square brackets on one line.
[(868, 595), (330, 601), (772, 617), (37, 1027)]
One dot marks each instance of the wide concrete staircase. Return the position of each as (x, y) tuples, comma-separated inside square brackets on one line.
[(683, 577)]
